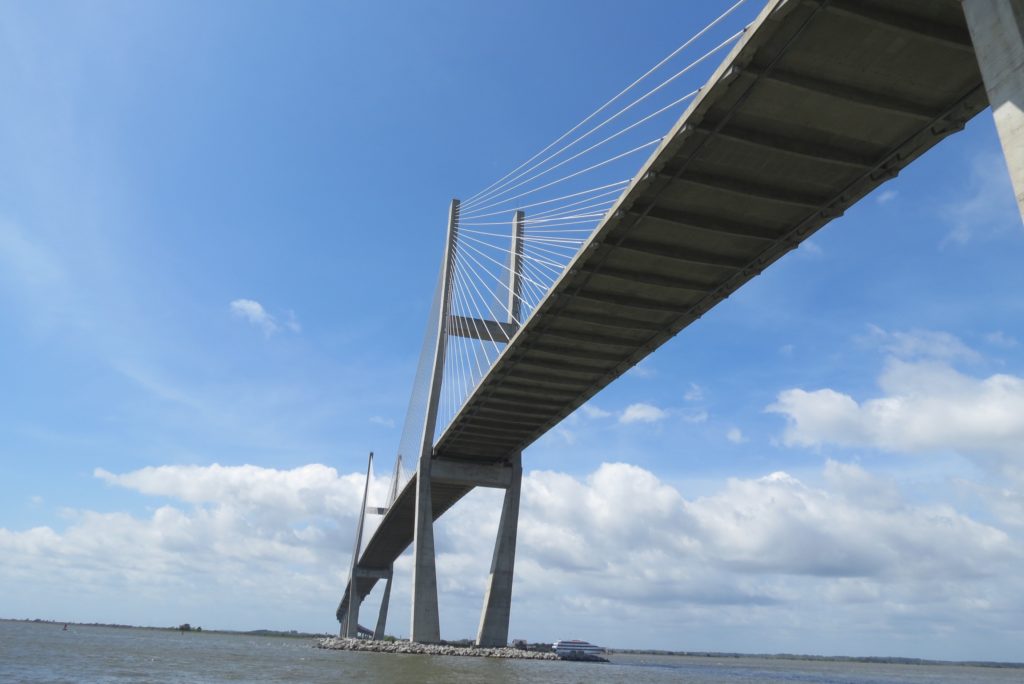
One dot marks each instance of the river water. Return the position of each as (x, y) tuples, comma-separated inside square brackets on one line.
[(41, 652)]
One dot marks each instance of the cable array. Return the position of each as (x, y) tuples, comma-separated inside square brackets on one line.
[(564, 190)]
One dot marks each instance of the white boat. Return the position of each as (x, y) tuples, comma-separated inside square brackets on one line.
[(570, 647)]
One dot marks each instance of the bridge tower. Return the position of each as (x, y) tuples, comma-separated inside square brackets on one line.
[(434, 467)]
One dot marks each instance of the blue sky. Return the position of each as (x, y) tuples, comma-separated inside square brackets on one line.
[(220, 227)]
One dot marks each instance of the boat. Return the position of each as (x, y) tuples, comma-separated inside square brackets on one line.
[(574, 648)]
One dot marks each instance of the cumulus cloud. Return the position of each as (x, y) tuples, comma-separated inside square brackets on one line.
[(757, 552), (642, 413), (253, 312), (618, 541), (735, 435), (308, 490), (216, 536), (924, 406), (694, 393)]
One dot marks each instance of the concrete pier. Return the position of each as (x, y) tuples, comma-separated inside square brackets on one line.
[(997, 31), (497, 608)]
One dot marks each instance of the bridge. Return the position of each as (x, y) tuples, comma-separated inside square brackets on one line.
[(541, 303)]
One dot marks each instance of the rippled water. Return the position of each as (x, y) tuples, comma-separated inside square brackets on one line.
[(34, 652)]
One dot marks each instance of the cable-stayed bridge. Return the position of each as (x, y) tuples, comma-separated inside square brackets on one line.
[(563, 274)]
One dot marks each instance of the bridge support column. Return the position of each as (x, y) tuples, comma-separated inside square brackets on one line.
[(997, 31), (426, 623), (350, 622), (382, 616), (495, 615)]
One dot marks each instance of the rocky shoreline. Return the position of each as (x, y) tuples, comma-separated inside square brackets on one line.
[(365, 645)]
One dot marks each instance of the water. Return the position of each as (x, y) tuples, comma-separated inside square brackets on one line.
[(35, 652)]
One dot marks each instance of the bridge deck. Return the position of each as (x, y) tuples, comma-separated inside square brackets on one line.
[(820, 103)]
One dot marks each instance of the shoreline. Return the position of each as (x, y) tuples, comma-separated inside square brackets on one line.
[(412, 648)]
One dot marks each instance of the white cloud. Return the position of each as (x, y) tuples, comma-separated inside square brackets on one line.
[(642, 413), (308, 490), (1001, 339), (925, 406), (921, 344), (293, 323), (567, 435), (886, 196), (694, 393), (735, 435), (594, 412), (644, 369), (811, 248), (222, 536), (696, 417), (253, 311), (382, 421), (33, 265), (616, 542), (988, 208)]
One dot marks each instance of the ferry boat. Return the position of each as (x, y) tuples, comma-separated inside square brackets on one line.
[(571, 647)]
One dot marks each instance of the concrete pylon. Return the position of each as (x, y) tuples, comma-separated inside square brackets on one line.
[(350, 623), (997, 31), (426, 623), (382, 616), (515, 277), (497, 608)]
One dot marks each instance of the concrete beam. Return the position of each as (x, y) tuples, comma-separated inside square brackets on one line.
[(950, 36), (494, 617), (629, 302), (795, 147), (759, 191), (631, 276), (608, 321), (850, 94), (497, 476), (480, 329), (690, 256), (373, 573), (997, 29), (709, 224)]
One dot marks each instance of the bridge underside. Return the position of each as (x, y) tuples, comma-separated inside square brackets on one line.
[(822, 102), (819, 104)]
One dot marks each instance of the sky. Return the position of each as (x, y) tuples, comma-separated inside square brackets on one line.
[(220, 226)]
